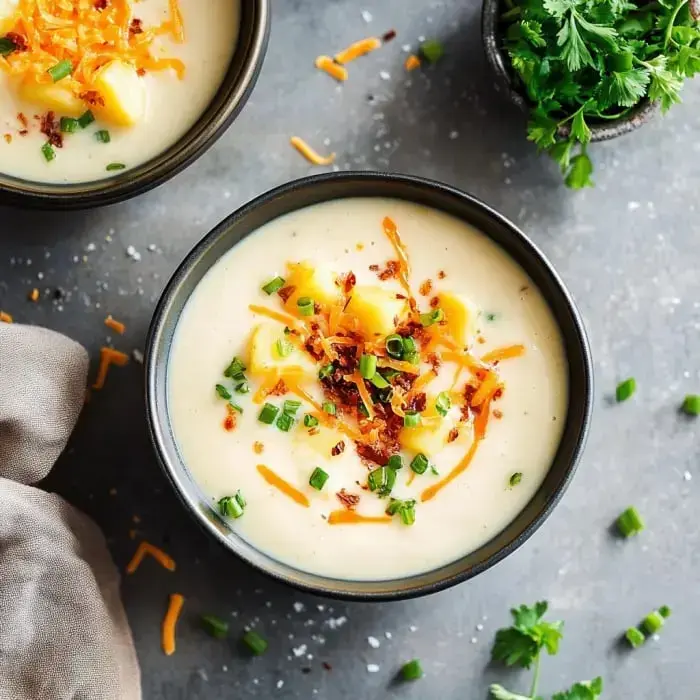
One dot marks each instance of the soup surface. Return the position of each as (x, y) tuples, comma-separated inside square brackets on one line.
[(145, 70), (367, 479)]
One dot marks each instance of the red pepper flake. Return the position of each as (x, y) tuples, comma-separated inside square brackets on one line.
[(285, 292), (348, 282), (18, 40), (338, 449), (434, 303), (230, 422), (92, 97), (22, 119), (279, 389), (50, 128), (136, 27), (349, 500), (453, 435), (258, 448), (140, 72), (497, 394), (441, 274), (388, 36), (426, 287), (498, 414)]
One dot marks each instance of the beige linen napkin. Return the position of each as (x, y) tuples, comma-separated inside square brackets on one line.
[(63, 631)]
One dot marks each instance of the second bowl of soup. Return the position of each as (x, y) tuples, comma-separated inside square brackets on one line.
[(368, 385)]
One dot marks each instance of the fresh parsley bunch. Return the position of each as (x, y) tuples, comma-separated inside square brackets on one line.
[(587, 61), (522, 644)]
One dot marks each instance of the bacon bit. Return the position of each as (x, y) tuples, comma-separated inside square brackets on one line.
[(426, 287), (258, 448), (285, 292), (140, 72), (374, 268), (348, 282), (349, 517), (309, 153), (435, 361), (391, 34), (480, 339), (497, 413), (165, 560), (453, 435), (391, 270), (230, 421), (338, 449), (349, 500), (169, 623), (5, 317), (108, 357), (412, 62), (101, 4), (418, 402), (93, 98), (328, 65), (19, 40), (327, 666), (116, 326), (8, 138), (359, 48), (22, 119), (285, 487), (505, 353), (279, 389), (441, 274), (136, 26), (34, 295), (23, 132), (51, 129)]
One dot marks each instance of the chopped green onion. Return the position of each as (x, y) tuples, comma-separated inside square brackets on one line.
[(433, 470), (653, 622), (635, 637), (381, 480), (310, 421), (115, 166), (85, 119), (419, 463), (240, 499), (443, 403), (268, 413), (290, 407), (255, 643), (412, 671), (318, 479), (388, 373), (235, 369), (69, 125), (515, 478), (412, 358), (395, 462), (411, 419), (368, 366), (691, 405), (363, 409), (384, 395), (394, 345), (230, 507), (242, 388), (625, 389), (285, 422), (379, 381), (7, 46), (405, 509), (409, 345), (284, 347), (48, 152), (325, 371), (434, 316), (215, 626), (61, 70), (432, 50), (273, 285), (329, 408), (630, 522), (103, 136), (665, 611), (223, 392), (235, 406), (306, 306)]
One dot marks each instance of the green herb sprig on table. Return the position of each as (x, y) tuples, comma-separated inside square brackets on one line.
[(522, 645), (582, 62)]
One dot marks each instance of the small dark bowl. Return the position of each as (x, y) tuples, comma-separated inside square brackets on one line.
[(500, 64), (235, 89), (309, 191)]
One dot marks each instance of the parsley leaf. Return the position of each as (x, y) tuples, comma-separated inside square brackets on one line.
[(665, 86), (579, 128), (588, 690), (500, 693), (624, 88), (579, 174)]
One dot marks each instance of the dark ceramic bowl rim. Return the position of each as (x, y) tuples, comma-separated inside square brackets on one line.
[(302, 193), (232, 94), (600, 131)]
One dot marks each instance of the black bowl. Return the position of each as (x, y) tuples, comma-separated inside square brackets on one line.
[(510, 83), (312, 190), (235, 88)]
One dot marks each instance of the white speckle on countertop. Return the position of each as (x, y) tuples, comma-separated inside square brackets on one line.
[(336, 622), (300, 650), (413, 628), (299, 607), (387, 635), (280, 683), (479, 627), (474, 640), (366, 16), (631, 206), (133, 253), (373, 642), (384, 75), (687, 475), (137, 355), (372, 668), (454, 134)]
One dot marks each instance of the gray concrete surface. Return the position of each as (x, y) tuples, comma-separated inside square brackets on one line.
[(630, 252)]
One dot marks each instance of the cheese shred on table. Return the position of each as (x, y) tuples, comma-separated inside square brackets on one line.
[(170, 622), (309, 153), (116, 326), (335, 70), (166, 561), (108, 357), (5, 317)]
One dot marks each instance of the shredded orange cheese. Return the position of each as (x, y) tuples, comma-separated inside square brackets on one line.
[(170, 622), (392, 233), (356, 377), (309, 153), (166, 561), (5, 317), (487, 388), (34, 295), (504, 353), (412, 62), (108, 357), (284, 486), (432, 491), (335, 70), (398, 365), (116, 326), (88, 37), (350, 517), (359, 48)]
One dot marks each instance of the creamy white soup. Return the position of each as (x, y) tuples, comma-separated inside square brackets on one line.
[(89, 89), (389, 402)]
